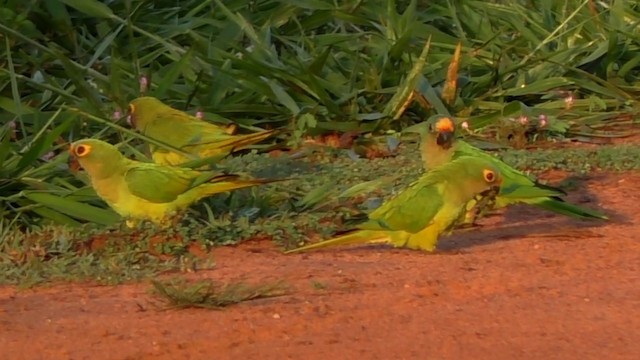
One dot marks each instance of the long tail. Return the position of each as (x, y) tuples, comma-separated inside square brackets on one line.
[(228, 182), (350, 238), (562, 207), (556, 205), (238, 142)]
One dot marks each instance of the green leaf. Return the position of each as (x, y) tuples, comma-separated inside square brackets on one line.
[(316, 196), (539, 86), (172, 74), (90, 7), (73, 208), (283, 97), (366, 187)]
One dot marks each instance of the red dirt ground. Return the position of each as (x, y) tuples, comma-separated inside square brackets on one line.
[(527, 285)]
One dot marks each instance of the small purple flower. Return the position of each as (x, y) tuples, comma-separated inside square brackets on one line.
[(465, 125), (144, 84), (48, 156), (523, 120), (568, 101), (542, 119), (12, 129), (199, 114), (116, 115)]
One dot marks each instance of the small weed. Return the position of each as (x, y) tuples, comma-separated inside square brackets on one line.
[(317, 285), (179, 293)]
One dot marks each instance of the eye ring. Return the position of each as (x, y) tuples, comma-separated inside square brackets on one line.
[(489, 176), (82, 150), (132, 108)]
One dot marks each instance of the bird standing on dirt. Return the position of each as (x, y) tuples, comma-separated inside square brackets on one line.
[(147, 191), (196, 137), (439, 146), (427, 208)]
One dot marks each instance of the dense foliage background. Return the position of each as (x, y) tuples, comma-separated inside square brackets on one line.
[(69, 68)]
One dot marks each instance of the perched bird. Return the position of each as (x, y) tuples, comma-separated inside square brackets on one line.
[(148, 191), (196, 137), (428, 207), (439, 146)]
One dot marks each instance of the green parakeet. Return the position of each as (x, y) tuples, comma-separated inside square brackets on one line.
[(194, 136), (428, 207), (439, 145), (148, 191)]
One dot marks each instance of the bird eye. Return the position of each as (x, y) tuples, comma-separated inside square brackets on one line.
[(489, 176), (82, 150)]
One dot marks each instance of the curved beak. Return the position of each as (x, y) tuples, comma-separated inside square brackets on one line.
[(445, 139), (73, 163)]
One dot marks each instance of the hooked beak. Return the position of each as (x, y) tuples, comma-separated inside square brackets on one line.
[(445, 139), (495, 188), (73, 163), (492, 191)]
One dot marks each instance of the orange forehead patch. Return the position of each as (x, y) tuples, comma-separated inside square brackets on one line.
[(444, 124)]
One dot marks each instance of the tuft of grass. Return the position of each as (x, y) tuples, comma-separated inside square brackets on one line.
[(317, 285), (90, 253), (179, 293)]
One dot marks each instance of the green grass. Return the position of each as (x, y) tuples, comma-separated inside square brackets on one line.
[(311, 66), (289, 213), (68, 69)]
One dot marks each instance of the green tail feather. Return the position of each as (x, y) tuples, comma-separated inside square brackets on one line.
[(565, 208), (519, 192), (237, 143), (228, 182), (350, 238)]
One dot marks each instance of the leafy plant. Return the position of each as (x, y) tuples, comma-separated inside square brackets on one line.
[(69, 68), (205, 294)]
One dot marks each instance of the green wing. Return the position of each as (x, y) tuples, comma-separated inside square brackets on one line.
[(158, 184), (173, 128), (180, 130), (412, 210)]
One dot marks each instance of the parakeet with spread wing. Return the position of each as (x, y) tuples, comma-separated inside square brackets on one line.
[(417, 216), (195, 137), (439, 146), (147, 191)]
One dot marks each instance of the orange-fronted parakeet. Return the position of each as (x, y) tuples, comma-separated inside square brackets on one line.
[(427, 208), (148, 191), (439, 145), (198, 138)]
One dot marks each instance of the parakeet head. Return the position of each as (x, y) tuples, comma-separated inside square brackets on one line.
[(98, 158), (474, 174), (487, 176), (444, 129), (144, 110), (439, 128)]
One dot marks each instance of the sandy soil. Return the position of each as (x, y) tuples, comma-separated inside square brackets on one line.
[(527, 285)]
